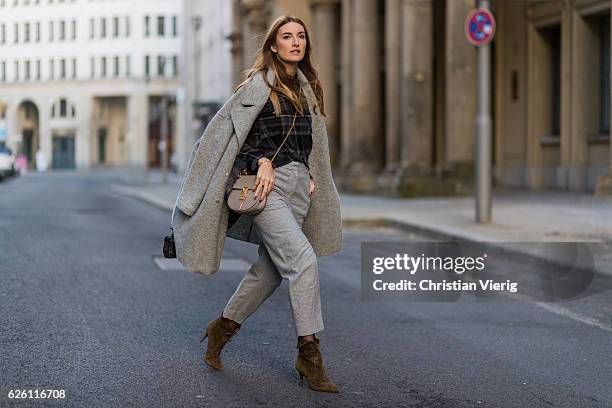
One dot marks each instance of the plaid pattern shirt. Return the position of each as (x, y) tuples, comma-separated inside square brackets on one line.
[(268, 133)]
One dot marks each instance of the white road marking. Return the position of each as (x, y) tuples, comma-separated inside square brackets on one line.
[(172, 264), (553, 308)]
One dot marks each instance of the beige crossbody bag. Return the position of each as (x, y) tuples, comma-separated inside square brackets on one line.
[(240, 199)]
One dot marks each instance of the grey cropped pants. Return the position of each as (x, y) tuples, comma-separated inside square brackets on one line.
[(285, 253)]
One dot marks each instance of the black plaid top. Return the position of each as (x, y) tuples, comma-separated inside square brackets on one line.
[(268, 133)]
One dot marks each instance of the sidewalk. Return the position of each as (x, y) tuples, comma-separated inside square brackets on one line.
[(518, 216)]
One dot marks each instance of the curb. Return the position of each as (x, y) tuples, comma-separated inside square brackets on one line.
[(441, 235), (134, 193), (433, 233)]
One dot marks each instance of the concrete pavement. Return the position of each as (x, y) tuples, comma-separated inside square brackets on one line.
[(518, 216)]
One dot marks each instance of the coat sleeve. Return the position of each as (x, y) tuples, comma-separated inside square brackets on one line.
[(205, 157)]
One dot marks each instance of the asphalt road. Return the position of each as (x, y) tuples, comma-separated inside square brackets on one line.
[(85, 309)]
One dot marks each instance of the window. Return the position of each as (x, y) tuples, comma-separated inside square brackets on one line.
[(604, 94), (146, 26), (38, 31), (116, 66), (91, 28), (552, 36), (50, 30), (174, 26), (26, 32), (16, 70), (2, 34), (74, 68), (174, 66), (16, 38), (115, 26), (127, 26), (92, 67), (127, 65), (51, 69), (27, 71), (38, 70), (147, 67), (160, 26), (62, 30), (63, 108), (103, 27), (161, 62), (103, 67), (3, 73), (62, 68), (73, 30)]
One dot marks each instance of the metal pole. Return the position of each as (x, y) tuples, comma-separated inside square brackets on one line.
[(483, 133), (164, 137), (163, 145)]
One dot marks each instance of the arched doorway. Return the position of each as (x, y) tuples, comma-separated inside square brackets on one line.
[(28, 126)]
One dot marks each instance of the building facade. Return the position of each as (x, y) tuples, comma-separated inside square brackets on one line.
[(88, 82), (207, 74), (400, 85)]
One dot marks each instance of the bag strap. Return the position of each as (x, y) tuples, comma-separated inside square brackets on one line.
[(290, 129)]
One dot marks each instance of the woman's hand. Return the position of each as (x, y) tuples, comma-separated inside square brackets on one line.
[(311, 187), (265, 179)]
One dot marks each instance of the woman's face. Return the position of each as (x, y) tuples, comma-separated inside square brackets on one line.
[(290, 44)]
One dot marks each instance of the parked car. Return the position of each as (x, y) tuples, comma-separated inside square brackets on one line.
[(7, 162)]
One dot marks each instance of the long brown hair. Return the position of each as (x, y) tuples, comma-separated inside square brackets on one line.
[(281, 85)]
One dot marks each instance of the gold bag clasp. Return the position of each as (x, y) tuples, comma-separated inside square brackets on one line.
[(244, 192)]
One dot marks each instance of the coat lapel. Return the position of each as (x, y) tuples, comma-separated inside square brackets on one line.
[(255, 95), (252, 99)]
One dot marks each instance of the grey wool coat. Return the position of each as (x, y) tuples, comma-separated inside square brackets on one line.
[(200, 214)]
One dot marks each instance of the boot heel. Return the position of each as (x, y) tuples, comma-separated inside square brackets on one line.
[(301, 379), (310, 356)]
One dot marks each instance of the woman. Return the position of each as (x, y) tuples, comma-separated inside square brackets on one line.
[(296, 225)]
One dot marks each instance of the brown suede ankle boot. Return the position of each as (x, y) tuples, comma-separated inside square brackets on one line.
[(219, 332), (310, 365)]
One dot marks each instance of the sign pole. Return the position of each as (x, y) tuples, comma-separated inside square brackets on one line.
[(480, 28), (483, 133)]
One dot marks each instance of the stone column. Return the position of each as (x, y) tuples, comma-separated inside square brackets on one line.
[(83, 135), (416, 86), (604, 182), (237, 49), (460, 87), (366, 151), (45, 138), (323, 35), (254, 29), (583, 96), (299, 9), (565, 160), (346, 131), (138, 129), (393, 34)]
